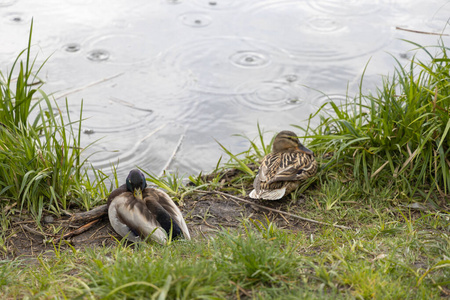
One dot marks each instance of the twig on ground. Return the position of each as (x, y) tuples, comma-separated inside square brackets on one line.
[(25, 222), (78, 231), (272, 209), (90, 215), (287, 221)]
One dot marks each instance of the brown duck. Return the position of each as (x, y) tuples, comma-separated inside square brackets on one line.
[(138, 212), (282, 170)]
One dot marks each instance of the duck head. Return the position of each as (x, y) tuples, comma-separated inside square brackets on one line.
[(286, 141), (136, 183)]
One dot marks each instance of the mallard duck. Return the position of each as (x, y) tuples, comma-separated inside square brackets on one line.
[(282, 170), (136, 212)]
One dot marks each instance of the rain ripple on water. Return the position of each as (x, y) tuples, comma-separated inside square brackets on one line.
[(250, 59), (195, 19), (220, 4), (98, 55), (220, 64), (308, 34), (72, 47), (120, 48), (275, 95), (16, 18), (113, 117), (348, 8), (7, 2)]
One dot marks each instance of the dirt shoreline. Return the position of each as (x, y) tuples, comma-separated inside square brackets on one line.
[(205, 215)]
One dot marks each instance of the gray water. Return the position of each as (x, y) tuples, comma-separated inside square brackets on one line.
[(161, 81)]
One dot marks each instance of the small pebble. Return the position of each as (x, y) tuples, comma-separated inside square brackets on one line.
[(49, 219)]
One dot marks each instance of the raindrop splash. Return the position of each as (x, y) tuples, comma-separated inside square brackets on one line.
[(15, 18), (128, 48), (291, 77), (250, 59), (98, 55), (195, 19), (220, 4), (72, 47)]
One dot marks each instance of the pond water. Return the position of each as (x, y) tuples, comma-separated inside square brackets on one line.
[(161, 81)]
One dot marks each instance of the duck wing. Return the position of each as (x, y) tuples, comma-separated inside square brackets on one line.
[(167, 212), (131, 218), (292, 166), (280, 173)]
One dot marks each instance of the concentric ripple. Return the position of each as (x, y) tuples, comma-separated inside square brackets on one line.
[(165, 84), (338, 99), (7, 2), (347, 7), (271, 95), (16, 18), (220, 64), (195, 19), (120, 48), (112, 117), (325, 24), (72, 47), (149, 146), (220, 4), (307, 34), (98, 55), (250, 59)]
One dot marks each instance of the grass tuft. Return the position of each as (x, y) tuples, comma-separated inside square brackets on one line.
[(398, 137), (40, 151)]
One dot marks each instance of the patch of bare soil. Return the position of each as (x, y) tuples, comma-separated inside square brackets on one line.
[(205, 214)]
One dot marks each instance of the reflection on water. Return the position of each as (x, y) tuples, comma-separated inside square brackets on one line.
[(162, 80)]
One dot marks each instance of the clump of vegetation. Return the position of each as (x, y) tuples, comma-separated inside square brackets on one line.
[(391, 260), (40, 152), (399, 137)]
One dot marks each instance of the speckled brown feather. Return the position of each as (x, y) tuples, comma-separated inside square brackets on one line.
[(282, 171)]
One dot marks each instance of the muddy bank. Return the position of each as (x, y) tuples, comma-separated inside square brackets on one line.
[(205, 214)]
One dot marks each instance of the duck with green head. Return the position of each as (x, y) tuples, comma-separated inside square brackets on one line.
[(283, 170), (138, 212)]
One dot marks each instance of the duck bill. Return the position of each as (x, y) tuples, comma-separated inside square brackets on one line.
[(306, 150), (137, 193)]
